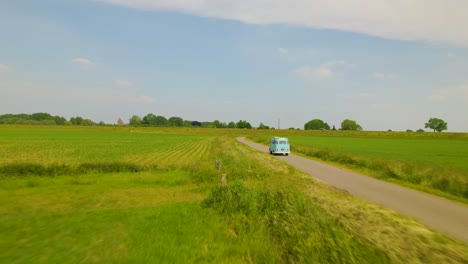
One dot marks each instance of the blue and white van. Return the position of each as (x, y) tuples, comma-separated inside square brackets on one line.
[(279, 146)]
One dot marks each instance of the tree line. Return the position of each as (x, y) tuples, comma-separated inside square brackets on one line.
[(45, 119), (175, 121), (150, 119), (435, 124)]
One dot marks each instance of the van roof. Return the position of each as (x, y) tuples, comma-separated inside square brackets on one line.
[(280, 138)]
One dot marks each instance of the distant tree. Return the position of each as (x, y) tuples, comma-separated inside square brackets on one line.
[(187, 123), (420, 130), (231, 125), (291, 128), (316, 124), (41, 116), (196, 124), (101, 123), (409, 130), (176, 121), (348, 124), (59, 120), (333, 127), (223, 125), (135, 121), (77, 120), (263, 126), (149, 119), (243, 124), (436, 124), (216, 124), (161, 121), (390, 130), (120, 122), (88, 122), (207, 124)]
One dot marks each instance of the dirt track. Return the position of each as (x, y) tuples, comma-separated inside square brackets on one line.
[(448, 217)]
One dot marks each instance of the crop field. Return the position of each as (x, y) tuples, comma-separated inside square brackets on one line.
[(434, 163), (153, 195)]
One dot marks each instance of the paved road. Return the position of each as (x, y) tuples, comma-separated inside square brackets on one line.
[(450, 218)]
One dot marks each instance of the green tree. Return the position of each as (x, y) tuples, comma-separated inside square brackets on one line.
[(243, 124), (263, 126), (41, 116), (436, 124), (176, 121), (231, 125), (187, 123), (77, 120), (348, 124), (149, 119), (59, 120), (316, 124), (216, 124), (135, 121), (161, 121), (207, 124)]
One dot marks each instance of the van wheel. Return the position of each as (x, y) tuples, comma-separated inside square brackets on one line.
[(287, 154), (271, 152)]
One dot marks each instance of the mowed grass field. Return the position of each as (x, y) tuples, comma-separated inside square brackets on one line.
[(433, 162), (149, 195)]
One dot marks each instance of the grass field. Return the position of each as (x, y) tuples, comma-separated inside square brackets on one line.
[(432, 162), (126, 195)]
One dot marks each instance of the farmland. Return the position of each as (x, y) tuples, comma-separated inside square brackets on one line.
[(152, 194), (435, 163)]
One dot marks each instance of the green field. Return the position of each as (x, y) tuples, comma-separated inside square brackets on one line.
[(452, 153), (126, 195), (432, 162)]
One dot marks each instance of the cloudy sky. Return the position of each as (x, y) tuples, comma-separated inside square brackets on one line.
[(388, 64)]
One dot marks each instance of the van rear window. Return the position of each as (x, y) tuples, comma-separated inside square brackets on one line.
[(283, 142)]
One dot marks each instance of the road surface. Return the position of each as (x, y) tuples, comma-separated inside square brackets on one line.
[(442, 215)]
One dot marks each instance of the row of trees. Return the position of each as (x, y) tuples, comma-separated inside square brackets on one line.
[(175, 121), (435, 124), (317, 124), (45, 119)]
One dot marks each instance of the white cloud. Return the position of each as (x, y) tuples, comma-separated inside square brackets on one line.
[(379, 75), (325, 71), (438, 96), (459, 93), (310, 73), (431, 20), (335, 63), (357, 96), (82, 61), (4, 68), (382, 107), (124, 83), (282, 51), (144, 99), (451, 55)]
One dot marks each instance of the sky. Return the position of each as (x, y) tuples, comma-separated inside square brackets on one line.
[(386, 64)]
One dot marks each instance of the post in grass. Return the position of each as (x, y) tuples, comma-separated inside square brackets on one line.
[(219, 165)]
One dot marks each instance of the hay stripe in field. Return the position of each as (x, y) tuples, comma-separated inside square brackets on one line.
[(179, 155), (199, 153)]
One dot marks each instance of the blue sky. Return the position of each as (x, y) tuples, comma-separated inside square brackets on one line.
[(205, 60)]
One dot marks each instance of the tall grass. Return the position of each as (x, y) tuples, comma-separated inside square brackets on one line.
[(29, 169), (301, 231)]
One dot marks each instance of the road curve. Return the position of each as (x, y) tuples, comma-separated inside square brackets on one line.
[(442, 215)]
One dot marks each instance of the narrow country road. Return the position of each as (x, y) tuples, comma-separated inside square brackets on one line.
[(442, 215)]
